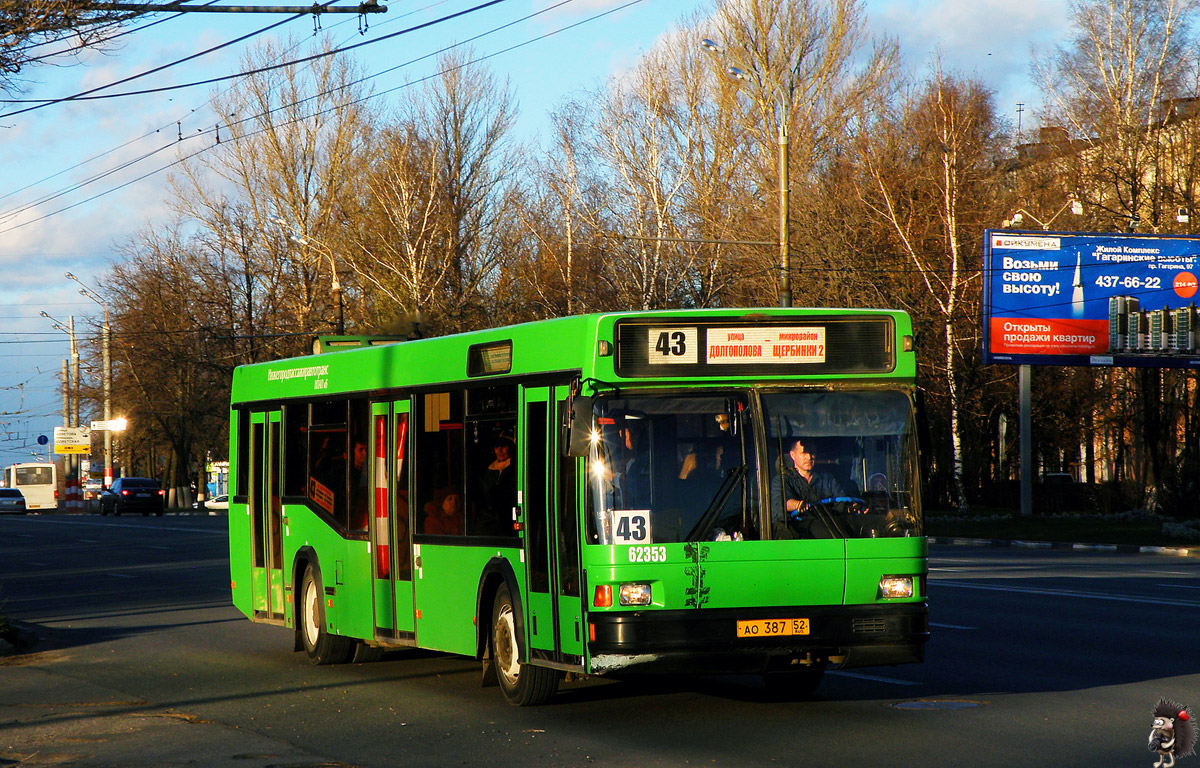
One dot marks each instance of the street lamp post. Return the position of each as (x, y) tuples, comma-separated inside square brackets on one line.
[(70, 406), (785, 256), (105, 341), (335, 287)]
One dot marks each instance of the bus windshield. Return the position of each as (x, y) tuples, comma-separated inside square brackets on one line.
[(843, 464), (671, 469), (687, 467)]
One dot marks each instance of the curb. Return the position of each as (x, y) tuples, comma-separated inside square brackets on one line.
[(1120, 549)]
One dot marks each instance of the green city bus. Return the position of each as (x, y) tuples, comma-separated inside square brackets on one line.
[(591, 495)]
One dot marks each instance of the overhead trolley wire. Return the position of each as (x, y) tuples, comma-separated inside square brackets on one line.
[(201, 150), (85, 95), (127, 143)]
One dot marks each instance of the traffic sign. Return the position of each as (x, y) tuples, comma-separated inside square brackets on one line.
[(72, 440), (110, 425)]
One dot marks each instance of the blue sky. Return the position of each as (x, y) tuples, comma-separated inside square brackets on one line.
[(48, 152)]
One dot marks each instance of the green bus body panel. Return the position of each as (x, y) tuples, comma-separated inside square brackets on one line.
[(239, 558), (869, 559), (447, 586), (729, 574), (540, 608), (745, 574)]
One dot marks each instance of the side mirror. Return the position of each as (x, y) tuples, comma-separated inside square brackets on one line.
[(578, 429)]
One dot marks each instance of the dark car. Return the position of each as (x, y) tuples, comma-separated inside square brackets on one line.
[(133, 494), (12, 501)]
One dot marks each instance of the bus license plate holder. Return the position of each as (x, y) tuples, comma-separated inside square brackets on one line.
[(755, 628)]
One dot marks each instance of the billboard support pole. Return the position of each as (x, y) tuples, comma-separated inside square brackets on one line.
[(1026, 429)]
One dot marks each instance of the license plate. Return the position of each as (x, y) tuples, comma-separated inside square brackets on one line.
[(772, 627), (143, 495)]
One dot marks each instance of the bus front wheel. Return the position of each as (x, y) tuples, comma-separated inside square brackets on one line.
[(321, 646), (523, 685)]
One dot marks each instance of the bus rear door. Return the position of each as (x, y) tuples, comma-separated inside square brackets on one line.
[(266, 514), (554, 608), (389, 530)]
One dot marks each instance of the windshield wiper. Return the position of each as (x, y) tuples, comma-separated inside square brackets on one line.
[(732, 477)]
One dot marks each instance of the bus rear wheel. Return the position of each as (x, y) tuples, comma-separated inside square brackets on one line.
[(321, 646), (523, 685)]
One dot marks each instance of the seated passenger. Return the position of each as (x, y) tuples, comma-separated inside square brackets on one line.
[(447, 519)]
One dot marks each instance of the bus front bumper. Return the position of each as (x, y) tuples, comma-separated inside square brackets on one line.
[(707, 640)]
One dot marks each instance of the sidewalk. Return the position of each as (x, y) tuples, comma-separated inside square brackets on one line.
[(50, 718)]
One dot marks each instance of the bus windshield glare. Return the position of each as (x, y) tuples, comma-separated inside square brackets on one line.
[(680, 468)]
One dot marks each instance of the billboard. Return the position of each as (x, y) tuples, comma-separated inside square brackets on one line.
[(1072, 298)]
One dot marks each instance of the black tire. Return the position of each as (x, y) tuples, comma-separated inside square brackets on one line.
[(523, 685), (793, 685), (321, 646), (366, 654)]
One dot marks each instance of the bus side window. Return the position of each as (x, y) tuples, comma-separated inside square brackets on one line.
[(438, 463), (360, 491), (295, 449)]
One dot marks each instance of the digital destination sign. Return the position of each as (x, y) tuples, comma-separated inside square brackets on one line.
[(1070, 298)]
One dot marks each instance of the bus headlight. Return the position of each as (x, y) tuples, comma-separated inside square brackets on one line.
[(896, 586), (635, 594)]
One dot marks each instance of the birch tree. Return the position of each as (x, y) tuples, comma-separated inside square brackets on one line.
[(923, 176)]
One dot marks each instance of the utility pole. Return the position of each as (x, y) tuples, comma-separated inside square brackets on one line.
[(315, 9), (105, 341)]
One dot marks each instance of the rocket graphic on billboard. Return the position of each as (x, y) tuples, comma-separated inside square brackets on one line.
[(1069, 298)]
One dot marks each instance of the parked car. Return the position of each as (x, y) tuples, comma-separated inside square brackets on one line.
[(12, 501), (215, 504), (133, 494)]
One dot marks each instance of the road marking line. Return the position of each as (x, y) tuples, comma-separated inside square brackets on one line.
[(872, 678), (1068, 593), (123, 575), (949, 626)]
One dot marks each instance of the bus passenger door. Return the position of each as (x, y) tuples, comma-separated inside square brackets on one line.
[(554, 620), (266, 515), (390, 544)]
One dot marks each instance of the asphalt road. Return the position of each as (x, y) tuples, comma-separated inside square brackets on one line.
[(1038, 657)]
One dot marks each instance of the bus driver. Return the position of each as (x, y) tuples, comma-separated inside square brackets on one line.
[(797, 488)]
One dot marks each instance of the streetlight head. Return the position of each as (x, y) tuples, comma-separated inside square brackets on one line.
[(45, 315), (1017, 218), (710, 46), (1076, 207), (70, 276), (736, 73)]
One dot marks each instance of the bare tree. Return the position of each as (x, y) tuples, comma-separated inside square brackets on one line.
[(1108, 86), (924, 174), (1124, 89), (34, 31), (291, 160), (440, 224)]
